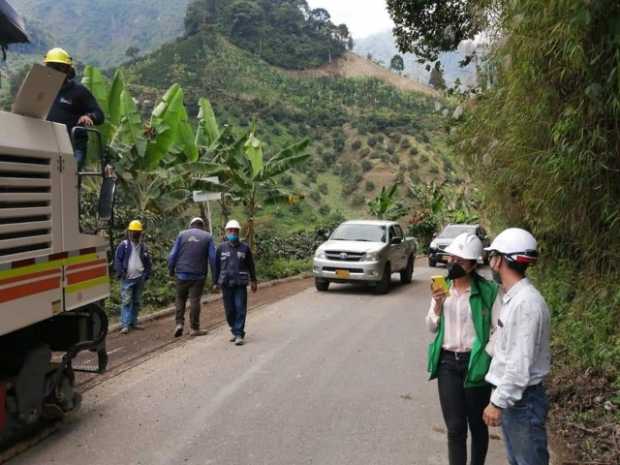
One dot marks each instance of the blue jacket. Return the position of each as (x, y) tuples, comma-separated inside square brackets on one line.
[(192, 252), (121, 259), (234, 265)]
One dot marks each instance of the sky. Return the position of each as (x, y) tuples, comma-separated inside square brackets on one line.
[(364, 17)]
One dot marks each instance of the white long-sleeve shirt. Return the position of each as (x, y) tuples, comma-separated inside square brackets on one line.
[(522, 354), (459, 330)]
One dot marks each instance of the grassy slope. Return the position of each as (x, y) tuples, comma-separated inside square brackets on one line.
[(336, 113)]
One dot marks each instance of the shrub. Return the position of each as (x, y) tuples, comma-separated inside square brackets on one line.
[(356, 145), (370, 186), (323, 189), (364, 152), (372, 141), (366, 166), (287, 180), (358, 200), (413, 151), (324, 210), (315, 196), (391, 149)]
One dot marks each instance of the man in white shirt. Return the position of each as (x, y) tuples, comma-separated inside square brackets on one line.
[(522, 357)]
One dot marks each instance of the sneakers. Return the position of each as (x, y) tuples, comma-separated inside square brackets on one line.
[(125, 330), (233, 339), (198, 332), (178, 331), (239, 341)]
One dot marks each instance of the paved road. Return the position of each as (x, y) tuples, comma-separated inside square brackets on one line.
[(331, 378)]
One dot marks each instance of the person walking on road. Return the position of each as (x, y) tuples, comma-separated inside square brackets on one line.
[(189, 261), (132, 263), (522, 355), (463, 320), (74, 106), (234, 270)]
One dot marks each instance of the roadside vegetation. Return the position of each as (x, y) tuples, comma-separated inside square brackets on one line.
[(542, 140)]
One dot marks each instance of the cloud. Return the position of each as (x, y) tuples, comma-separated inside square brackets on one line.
[(364, 17)]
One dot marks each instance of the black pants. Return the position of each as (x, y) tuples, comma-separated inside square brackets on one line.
[(462, 408), (193, 290)]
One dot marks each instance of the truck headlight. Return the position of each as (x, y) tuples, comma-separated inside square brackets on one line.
[(371, 256), (434, 245), (320, 254)]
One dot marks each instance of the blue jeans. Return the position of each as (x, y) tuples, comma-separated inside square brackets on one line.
[(131, 301), (524, 428), (236, 306), (80, 158)]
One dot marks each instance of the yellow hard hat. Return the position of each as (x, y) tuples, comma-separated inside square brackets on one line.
[(58, 55), (136, 226)]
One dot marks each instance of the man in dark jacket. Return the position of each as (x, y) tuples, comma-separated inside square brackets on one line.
[(74, 106), (234, 270), (188, 262), (132, 264)]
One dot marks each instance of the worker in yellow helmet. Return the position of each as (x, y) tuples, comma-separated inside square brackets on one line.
[(132, 264), (74, 106)]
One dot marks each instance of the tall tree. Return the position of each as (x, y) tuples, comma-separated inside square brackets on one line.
[(397, 64), (428, 27), (437, 80)]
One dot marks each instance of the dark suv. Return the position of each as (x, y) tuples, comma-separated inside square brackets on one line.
[(439, 243)]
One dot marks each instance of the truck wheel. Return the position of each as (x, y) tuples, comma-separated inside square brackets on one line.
[(383, 286), (406, 275), (321, 285), (431, 262)]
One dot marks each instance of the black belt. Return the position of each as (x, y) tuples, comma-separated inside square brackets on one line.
[(455, 355)]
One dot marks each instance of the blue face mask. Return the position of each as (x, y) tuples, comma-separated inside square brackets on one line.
[(232, 237)]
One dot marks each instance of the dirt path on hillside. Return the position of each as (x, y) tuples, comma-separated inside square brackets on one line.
[(353, 66)]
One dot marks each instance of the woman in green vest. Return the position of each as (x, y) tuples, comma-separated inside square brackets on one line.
[(463, 320)]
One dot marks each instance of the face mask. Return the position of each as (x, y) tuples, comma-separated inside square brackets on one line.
[(232, 237), (456, 271)]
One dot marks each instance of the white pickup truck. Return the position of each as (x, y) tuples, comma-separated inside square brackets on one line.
[(365, 251)]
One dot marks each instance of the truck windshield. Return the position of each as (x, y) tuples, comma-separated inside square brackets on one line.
[(360, 233), (450, 232)]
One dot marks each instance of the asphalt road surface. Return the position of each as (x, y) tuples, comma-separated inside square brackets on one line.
[(332, 378)]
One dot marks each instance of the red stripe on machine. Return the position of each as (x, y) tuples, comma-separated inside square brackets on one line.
[(29, 289), (88, 251), (87, 275), (26, 277), (86, 265)]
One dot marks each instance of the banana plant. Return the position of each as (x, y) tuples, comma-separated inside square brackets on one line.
[(386, 205), (251, 177)]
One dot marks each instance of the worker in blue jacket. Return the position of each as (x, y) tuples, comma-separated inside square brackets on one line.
[(234, 271), (132, 264), (188, 262)]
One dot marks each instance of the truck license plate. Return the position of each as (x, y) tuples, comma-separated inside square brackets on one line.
[(344, 274)]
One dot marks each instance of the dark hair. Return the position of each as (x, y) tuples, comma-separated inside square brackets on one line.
[(520, 268)]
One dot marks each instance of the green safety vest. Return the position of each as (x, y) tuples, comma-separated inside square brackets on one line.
[(482, 297)]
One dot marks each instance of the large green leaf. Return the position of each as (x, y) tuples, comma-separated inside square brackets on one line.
[(129, 136), (208, 131), (254, 152), (98, 85), (115, 107), (286, 159), (165, 123)]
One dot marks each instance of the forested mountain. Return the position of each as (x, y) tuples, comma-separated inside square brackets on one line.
[(382, 47), (365, 133), (285, 33), (101, 31)]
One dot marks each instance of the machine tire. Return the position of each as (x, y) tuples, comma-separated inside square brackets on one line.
[(383, 286), (406, 276), (321, 285), (431, 262)]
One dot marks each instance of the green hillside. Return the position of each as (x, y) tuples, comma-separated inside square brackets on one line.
[(101, 31), (365, 133)]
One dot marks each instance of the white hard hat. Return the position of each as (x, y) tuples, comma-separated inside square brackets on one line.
[(466, 245), (197, 220), (517, 245), (233, 224)]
